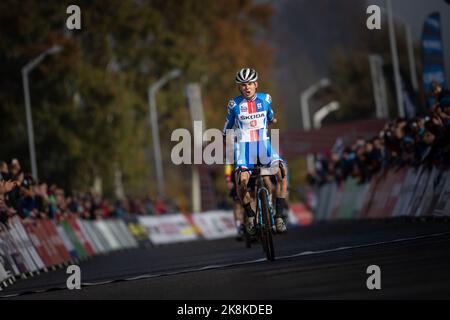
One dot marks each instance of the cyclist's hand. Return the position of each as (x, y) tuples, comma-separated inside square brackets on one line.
[(274, 121)]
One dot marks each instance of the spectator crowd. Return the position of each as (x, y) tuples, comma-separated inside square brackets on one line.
[(21, 195), (414, 142)]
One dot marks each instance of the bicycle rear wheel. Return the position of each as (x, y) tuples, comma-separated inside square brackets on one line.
[(266, 231)]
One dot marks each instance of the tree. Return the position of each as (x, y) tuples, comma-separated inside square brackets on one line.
[(90, 101)]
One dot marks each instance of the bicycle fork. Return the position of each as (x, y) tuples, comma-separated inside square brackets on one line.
[(263, 192)]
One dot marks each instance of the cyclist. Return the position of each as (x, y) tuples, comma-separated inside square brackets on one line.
[(251, 113)]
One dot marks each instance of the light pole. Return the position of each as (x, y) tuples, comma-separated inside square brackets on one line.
[(26, 89), (379, 86), (394, 53), (410, 49), (306, 119), (323, 112), (304, 101), (155, 128), (411, 58)]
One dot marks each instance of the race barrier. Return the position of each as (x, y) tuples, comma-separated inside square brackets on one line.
[(209, 225), (299, 215), (170, 228), (407, 191), (215, 224), (29, 247)]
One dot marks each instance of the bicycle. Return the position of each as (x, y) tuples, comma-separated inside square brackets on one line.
[(265, 220)]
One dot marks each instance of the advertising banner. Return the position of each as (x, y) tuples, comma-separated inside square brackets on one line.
[(28, 261), (215, 224), (421, 185), (396, 181), (32, 232), (443, 205), (348, 200), (79, 248), (168, 228), (12, 251), (80, 235), (63, 253), (6, 259), (107, 234)]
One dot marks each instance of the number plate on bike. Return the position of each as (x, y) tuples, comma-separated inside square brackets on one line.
[(270, 171)]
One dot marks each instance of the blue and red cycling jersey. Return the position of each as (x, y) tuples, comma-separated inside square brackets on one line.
[(251, 118)]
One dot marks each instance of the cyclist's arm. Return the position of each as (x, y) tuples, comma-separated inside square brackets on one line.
[(231, 117), (229, 123), (270, 115)]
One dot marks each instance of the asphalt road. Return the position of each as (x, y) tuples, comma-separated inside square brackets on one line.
[(324, 261)]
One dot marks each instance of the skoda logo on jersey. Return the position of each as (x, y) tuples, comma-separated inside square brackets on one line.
[(253, 123), (252, 116), (259, 105)]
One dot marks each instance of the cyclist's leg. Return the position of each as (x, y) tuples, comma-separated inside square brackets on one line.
[(265, 158), (244, 161), (268, 157), (280, 200), (246, 200), (241, 188), (281, 188)]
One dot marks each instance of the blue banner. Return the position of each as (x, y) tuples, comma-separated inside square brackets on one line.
[(432, 54)]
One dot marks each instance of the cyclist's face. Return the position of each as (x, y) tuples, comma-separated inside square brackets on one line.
[(248, 90)]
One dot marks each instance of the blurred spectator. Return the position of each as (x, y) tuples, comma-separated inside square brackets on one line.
[(438, 92), (4, 171), (21, 195), (119, 210), (160, 207), (27, 200), (172, 206), (6, 186), (414, 142), (149, 207), (16, 171)]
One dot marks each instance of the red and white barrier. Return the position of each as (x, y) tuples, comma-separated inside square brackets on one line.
[(30, 246)]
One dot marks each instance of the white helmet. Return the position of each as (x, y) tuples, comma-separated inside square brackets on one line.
[(246, 75)]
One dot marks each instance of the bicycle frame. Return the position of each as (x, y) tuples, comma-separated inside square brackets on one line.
[(261, 191)]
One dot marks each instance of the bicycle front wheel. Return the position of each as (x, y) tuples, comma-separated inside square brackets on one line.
[(266, 231)]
